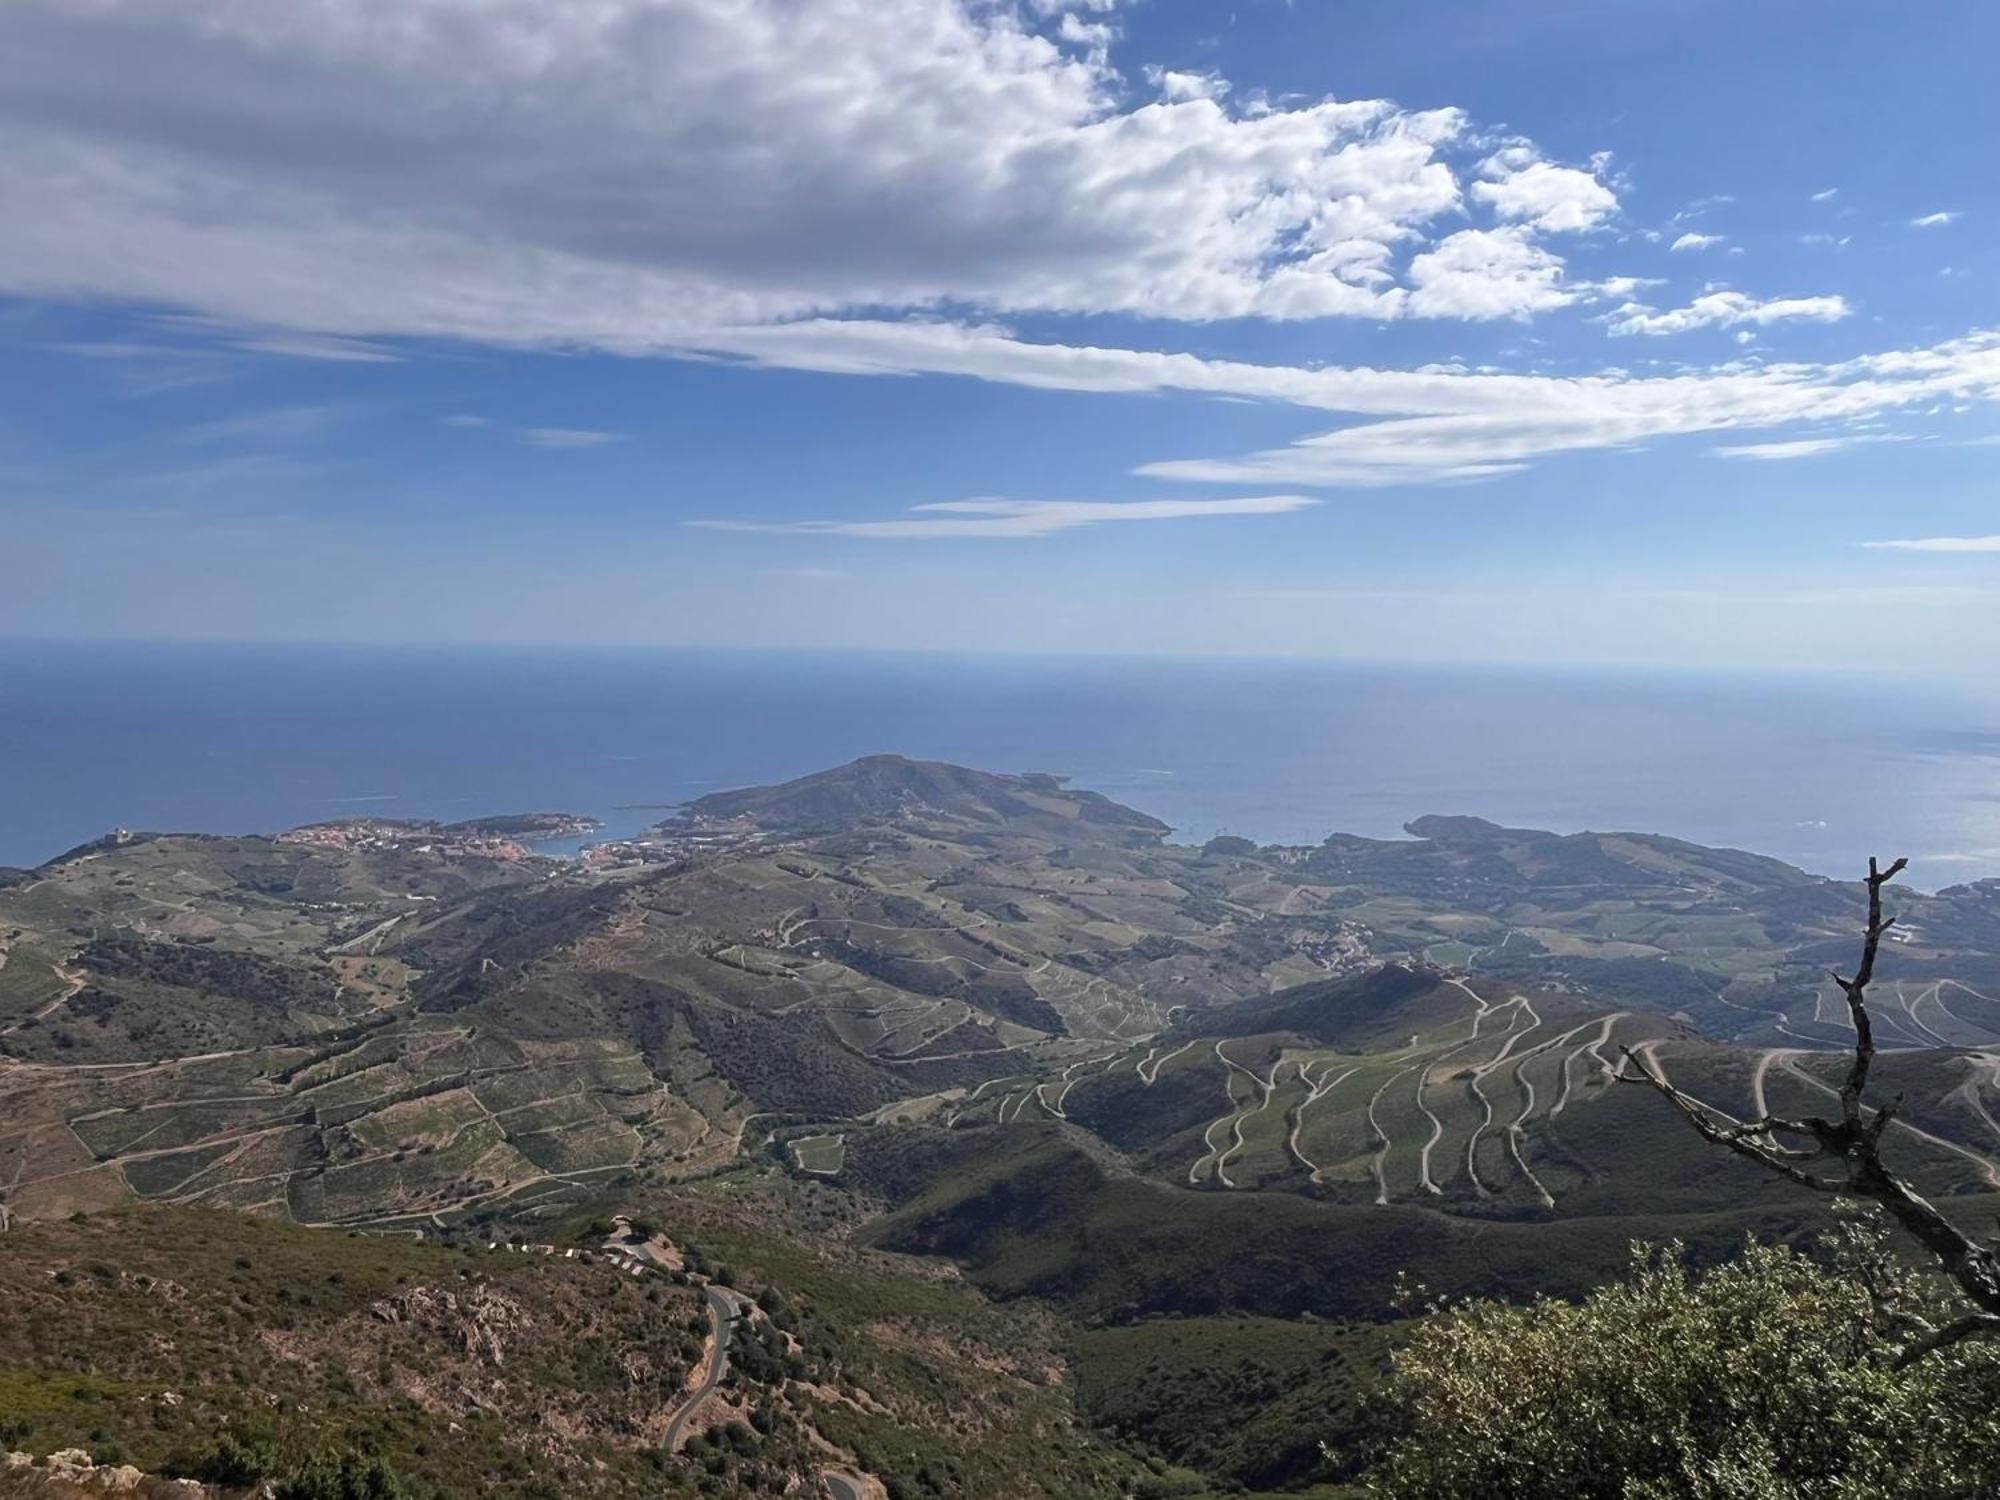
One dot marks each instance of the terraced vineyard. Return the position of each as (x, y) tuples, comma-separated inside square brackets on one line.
[(393, 1033), (933, 1011)]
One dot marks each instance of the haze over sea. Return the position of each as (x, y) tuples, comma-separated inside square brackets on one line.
[(224, 738)]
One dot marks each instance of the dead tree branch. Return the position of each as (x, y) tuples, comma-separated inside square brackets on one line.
[(1854, 1143)]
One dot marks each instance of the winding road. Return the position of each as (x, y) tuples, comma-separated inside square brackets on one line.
[(726, 1309)]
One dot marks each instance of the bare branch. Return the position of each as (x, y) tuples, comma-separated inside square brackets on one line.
[(1740, 1138), (1855, 1141), (1856, 991), (1969, 1326)]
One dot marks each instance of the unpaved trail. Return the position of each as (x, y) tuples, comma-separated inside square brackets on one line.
[(1379, 1161), (1153, 1077), (1066, 1082), (1517, 1129), (1760, 1108), (1208, 1154), (1985, 1069), (1910, 1010), (1320, 1088), (1987, 1169), (1937, 1004), (1514, 1006), (1515, 1034), (1264, 1087), (1479, 1015), (1891, 1026), (72, 987), (1472, 1141), (1593, 1048), (373, 936)]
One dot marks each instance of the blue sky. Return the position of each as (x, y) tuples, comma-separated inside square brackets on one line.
[(1553, 333)]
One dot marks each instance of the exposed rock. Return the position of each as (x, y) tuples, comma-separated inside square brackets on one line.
[(479, 1319)]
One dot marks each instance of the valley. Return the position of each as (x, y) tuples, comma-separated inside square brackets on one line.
[(995, 1034)]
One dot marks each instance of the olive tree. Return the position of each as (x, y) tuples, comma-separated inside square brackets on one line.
[(1768, 1378)]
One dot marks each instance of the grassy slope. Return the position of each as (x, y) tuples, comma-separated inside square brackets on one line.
[(1244, 1398), (1029, 1211), (146, 1332), (933, 1378)]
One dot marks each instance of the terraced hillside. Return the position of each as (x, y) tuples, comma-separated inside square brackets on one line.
[(1196, 1103), (374, 1025)]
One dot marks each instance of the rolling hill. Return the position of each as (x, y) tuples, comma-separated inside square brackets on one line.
[(902, 1008)]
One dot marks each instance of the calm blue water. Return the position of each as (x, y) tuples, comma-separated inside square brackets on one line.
[(231, 739)]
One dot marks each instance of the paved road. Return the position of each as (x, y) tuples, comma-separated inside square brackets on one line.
[(725, 1310)]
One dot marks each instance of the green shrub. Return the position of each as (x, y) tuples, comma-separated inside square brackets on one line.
[(344, 1475), (227, 1460), (1768, 1378)]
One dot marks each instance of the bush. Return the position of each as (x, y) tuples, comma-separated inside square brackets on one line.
[(345, 1475), (1765, 1379), (227, 1460)]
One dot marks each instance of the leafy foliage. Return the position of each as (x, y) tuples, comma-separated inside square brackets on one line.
[(1769, 1377)]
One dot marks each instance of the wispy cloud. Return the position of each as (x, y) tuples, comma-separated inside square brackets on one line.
[(1693, 241), (273, 425), (1826, 195), (1939, 544), (1801, 447), (1020, 518), (320, 346), (1726, 309), (1935, 221), (1422, 426), (568, 437)]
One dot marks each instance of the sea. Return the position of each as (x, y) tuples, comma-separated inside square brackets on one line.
[(235, 738)]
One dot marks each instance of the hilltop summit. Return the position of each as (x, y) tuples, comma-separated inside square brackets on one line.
[(893, 789)]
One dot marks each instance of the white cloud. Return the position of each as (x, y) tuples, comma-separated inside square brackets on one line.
[(1792, 448), (1487, 273), (1934, 221), (1094, 35), (1625, 286), (1940, 544), (1020, 518), (310, 346), (568, 437), (1524, 189), (1725, 309), (1693, 241), (1431, 425), (1826, 195), (1178, 88), (608, 175)]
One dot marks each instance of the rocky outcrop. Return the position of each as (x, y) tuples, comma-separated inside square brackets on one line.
[(479, 1319), (71, 1474)]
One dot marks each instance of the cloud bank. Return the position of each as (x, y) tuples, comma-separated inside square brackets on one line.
[(603, 175)]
